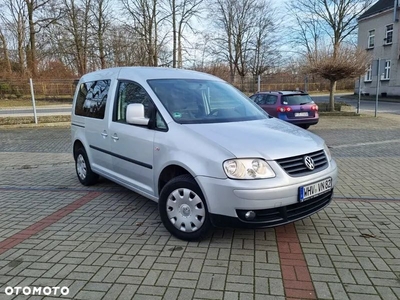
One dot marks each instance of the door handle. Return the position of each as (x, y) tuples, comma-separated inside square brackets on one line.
[(104, 134), (115, 137)]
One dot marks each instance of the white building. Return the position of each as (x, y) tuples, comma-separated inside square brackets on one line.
[(378, 32)]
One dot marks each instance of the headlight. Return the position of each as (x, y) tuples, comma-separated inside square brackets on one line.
[(328, 152), (252, 168)]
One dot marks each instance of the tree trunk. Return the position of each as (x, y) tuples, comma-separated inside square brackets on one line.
[(180, 63), (5, 53), (102, 53), (155, 41), (32, 40), (21, 55), (332, 95), (173, 34), (155, 56), (100, 36)]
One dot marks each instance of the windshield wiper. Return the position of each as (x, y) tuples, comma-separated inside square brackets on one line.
[(304, 103)]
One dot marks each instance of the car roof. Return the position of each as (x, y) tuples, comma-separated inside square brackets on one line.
[(283, 92), (145, 73)]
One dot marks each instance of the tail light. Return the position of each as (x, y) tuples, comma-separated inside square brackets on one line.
[(283, 109), (314, 107)]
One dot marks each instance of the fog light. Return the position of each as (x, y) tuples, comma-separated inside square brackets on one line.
[(250, 215)]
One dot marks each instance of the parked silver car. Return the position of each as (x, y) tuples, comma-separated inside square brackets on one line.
[(199, 147)]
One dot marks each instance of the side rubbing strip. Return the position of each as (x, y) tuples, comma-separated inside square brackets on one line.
[(123, 157)]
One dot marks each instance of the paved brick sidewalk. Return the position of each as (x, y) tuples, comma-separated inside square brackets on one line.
[(105, 242)]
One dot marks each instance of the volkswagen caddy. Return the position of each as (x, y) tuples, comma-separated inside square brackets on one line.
[(201, 149)]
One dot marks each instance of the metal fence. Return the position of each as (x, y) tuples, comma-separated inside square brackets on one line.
[(64, 88), (288, 82), (44, 89)]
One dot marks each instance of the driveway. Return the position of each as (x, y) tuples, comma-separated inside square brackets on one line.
[(105, 242)]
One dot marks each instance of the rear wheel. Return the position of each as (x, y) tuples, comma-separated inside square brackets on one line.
[(304, 126), (183, 209), (82, 166)]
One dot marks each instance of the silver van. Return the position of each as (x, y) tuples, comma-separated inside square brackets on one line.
[(199, 147)]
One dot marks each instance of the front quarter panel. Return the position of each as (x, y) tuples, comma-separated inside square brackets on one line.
[(196, 154)]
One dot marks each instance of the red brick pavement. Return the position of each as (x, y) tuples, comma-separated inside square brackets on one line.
[(296, 277), (21, 236)]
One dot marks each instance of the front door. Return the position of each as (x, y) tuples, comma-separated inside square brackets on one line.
[(132, 145)]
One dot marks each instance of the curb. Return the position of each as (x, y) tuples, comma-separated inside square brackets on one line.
[(39, 125), (371, 100)]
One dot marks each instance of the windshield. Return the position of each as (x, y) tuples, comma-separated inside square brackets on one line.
[(191, 101), (296, 99)]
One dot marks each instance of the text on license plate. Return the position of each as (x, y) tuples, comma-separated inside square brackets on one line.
[(314, 189), (301, 114)]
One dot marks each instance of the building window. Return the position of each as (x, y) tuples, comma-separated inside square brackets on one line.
[(368, 75), (386, 73), (371, 39), (389, 34)]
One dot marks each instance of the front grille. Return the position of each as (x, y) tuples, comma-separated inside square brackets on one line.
[(282, 215), (295, 165)]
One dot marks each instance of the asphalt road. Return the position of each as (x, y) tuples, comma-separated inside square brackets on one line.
[(365, 106), (48, 111)]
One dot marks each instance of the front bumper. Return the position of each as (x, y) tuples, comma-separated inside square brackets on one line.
[(274, 216), (228, 199)]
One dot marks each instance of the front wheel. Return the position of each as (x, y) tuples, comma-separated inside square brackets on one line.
[(183, 209)]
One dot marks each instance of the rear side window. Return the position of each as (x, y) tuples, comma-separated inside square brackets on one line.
[(269, 99), (296, 99), (92, 99)]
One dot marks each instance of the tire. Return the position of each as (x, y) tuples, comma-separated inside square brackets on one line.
[(306, 126), (183, 209), (83, 170)]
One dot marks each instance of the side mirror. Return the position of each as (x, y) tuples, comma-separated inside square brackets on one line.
[(135, 114)]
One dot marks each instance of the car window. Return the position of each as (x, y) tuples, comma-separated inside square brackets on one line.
[(129, 93), (92, 98), (296, 99), (256, 98), (160, 123), (269, 99), (253, 97), (191, 101)]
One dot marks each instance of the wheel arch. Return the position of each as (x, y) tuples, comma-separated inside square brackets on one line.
[(169, 172), (77, 145)]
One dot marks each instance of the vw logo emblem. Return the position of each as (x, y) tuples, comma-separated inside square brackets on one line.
[(309, 162)]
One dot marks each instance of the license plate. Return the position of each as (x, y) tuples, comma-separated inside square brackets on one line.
[(314, 189), (301, 114)]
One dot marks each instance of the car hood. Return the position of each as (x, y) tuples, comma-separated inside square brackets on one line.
[(270, 138)]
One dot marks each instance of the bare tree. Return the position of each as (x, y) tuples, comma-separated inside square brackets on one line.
[(182, 11), (13, 15), (335, 19), (245, 33), (126, 49), (4, 50), (347, 62), (102, 14), (307, 35), (147, 15), (40, 15), (74, 33), (264, 44)]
